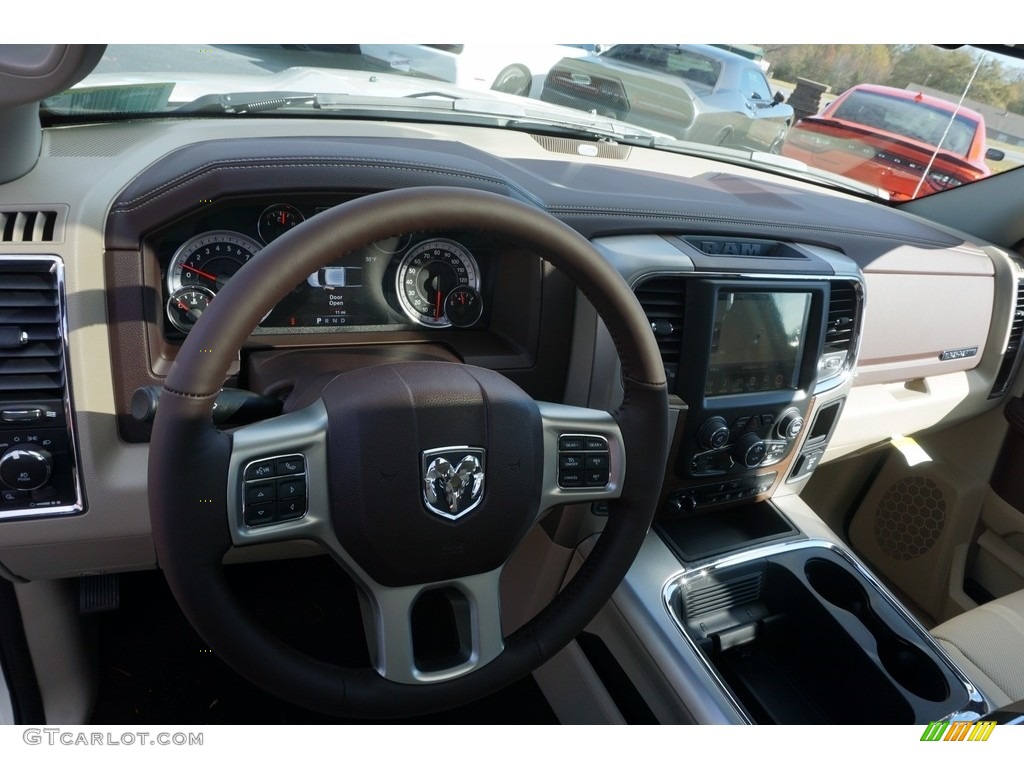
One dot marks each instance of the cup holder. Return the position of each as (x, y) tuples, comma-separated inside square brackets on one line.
[(908, 665)]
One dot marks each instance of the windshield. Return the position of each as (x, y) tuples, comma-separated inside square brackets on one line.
[(895, 121)]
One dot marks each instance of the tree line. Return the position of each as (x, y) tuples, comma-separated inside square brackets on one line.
[(843, 66)]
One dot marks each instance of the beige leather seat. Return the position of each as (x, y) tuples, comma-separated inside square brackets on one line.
[(988, 644)]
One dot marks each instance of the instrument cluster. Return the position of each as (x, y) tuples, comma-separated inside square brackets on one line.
[(427, 280)]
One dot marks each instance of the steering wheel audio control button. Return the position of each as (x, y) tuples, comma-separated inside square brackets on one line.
[(274, 490), (258, 493), (259, 470), (293, 465), (290, 489), (291, 509), (259, 514)]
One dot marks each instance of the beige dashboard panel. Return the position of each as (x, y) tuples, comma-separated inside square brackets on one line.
[(929, 313)]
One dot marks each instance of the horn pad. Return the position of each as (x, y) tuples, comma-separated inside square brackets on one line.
[(435, 469)]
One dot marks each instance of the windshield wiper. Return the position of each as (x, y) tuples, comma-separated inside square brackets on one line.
[(246, 103), (532, 116)]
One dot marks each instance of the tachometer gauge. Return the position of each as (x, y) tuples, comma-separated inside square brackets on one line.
[(428, 273), (209, 260), (186, 306)]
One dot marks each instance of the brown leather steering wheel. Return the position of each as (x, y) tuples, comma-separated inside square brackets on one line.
[(360, 455)]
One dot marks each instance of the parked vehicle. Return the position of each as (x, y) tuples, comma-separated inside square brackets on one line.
[(905, 142), (509, 68), (693, 92)]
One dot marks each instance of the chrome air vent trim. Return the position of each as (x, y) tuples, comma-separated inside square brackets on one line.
[(34, 377), (663, 300)]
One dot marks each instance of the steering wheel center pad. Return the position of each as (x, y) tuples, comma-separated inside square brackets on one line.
[(382, 420)]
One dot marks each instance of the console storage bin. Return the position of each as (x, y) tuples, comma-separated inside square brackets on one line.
[(802, 637)]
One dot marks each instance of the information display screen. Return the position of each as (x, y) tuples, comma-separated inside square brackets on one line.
[(757, 341)]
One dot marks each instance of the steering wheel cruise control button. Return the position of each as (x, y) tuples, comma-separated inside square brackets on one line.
[(570, 461), (583, 461)]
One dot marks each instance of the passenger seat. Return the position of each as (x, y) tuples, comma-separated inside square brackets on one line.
[(988, 644)]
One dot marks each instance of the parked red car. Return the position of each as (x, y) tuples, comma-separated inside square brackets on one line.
[(905, 142)]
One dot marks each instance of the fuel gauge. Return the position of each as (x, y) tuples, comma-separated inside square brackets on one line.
[(463, 306), (186, 305)]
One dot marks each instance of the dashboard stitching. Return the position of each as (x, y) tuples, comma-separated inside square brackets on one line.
[(128, 206)]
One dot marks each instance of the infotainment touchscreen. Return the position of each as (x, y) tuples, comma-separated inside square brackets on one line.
[(757, 341)]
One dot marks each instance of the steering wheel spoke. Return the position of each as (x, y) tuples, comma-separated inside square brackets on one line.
[(431, 633), (277, 479), (584, 456)]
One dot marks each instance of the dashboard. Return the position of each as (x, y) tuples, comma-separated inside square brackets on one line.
[(180, 207)]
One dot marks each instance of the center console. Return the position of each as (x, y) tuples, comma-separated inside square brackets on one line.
[(757, 363), (743, 606)]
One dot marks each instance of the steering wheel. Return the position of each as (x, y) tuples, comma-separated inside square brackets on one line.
[(419, 478)]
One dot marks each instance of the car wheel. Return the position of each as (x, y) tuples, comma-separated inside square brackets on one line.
[(780, 140), (514, 79), (360, 453)]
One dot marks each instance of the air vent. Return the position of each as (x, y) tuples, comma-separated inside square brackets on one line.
[(27, 226), (664, 301), (842, 317), (840, 329), (1013, 345), (31, 348)]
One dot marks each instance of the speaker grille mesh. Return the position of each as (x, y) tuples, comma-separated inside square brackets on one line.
[(910, 518)]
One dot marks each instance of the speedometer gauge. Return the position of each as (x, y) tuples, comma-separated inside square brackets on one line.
[(428, 273), (209, 260)]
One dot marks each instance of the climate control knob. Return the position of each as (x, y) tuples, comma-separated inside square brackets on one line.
[(714, 433), (749, 450), (25, 468)]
